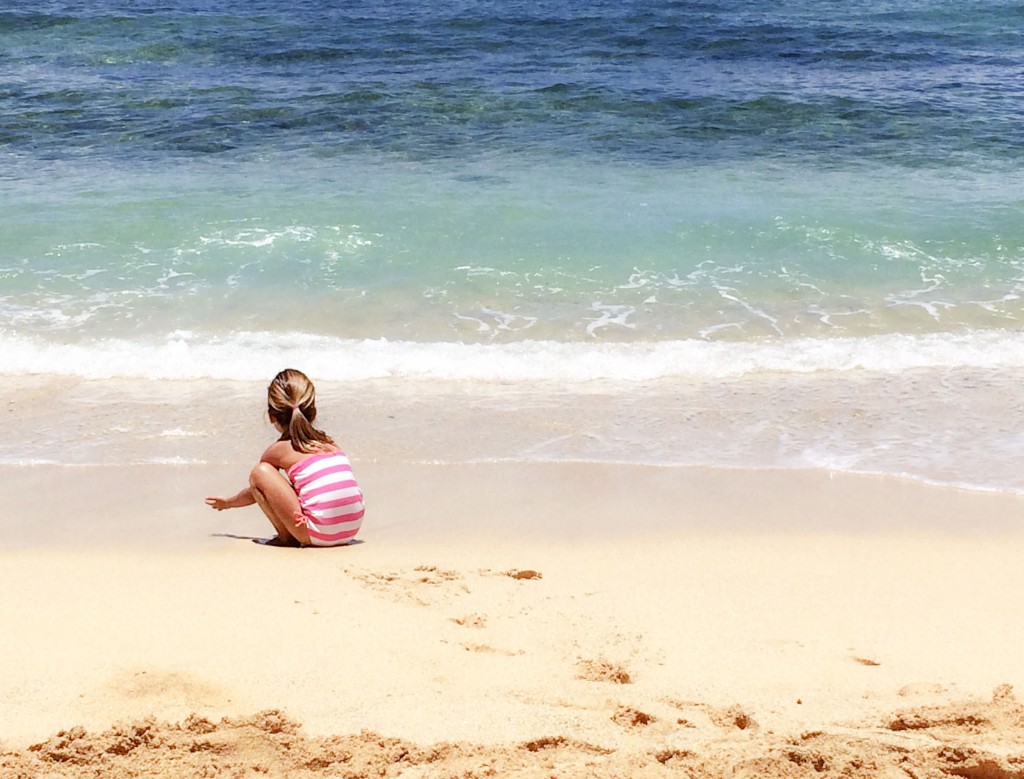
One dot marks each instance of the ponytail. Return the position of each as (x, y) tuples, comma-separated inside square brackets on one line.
[(291, 402)]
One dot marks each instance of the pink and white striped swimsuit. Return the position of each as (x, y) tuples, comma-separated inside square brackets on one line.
[(332, 503)]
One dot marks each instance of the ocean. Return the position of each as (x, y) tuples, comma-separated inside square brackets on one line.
[(713, 232)]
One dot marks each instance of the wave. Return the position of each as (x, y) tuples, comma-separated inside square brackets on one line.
[(255, 355)]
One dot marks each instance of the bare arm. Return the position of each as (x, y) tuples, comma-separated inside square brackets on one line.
[(242, 498), (279, 454)]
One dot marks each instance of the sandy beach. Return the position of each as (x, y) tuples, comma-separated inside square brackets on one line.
[(526, 620), (676, 348)]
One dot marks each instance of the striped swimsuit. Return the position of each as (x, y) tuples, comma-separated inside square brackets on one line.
[(332, 503)]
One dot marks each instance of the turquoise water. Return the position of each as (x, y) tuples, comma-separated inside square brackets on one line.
[(590, 255), (524, 192)]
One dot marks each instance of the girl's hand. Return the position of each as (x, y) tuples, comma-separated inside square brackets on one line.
[(243, 498)]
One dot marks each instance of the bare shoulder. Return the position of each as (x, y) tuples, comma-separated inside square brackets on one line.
[(280, 454)]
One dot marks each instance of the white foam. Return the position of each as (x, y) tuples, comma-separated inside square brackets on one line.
[(177, 432), (731, 294), (254, 355), (610, 315), (258, 237)]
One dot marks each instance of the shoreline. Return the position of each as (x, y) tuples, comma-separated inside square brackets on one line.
[(949, 428)]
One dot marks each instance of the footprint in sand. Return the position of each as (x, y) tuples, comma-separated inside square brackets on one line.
[(490, 650), (731, 717), (528, 573), (603, 671), (423, 585), (922, 689), (520, 574), (428, 584), (725, 717), (471, 621), (865, 661), (629, 717)]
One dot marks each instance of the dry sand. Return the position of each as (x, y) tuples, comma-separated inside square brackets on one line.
[(511, 620)]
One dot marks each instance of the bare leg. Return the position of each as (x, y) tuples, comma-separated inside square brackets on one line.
[(275, 495)]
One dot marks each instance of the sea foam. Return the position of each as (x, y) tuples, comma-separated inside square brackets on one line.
[(254, 355)]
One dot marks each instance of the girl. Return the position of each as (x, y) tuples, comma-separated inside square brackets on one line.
[(319, 503)]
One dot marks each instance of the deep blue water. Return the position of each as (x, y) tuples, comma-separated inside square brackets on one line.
[(905, 84)]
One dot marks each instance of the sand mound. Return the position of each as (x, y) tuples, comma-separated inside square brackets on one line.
[(972, 739), (267, 744), (1002, 714)]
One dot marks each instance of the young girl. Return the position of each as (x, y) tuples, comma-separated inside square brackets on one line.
[(319, 502)]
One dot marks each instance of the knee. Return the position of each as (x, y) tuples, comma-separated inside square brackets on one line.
[(262, 473)]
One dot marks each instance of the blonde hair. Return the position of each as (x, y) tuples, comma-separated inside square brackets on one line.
[(291, 402)]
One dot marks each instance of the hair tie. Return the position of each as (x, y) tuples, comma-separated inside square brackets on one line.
[(295, 408)]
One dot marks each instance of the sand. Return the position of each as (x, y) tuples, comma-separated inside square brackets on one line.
[(513, 620)]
